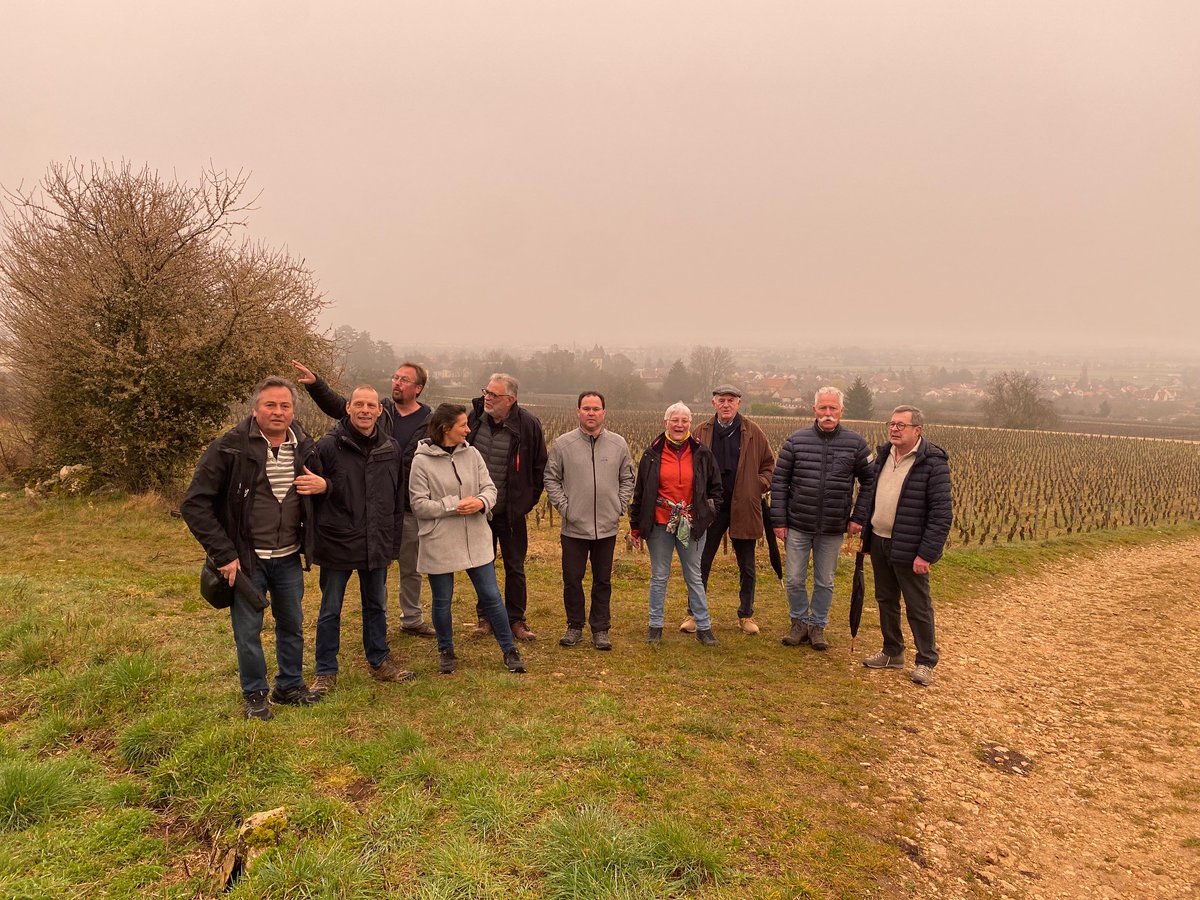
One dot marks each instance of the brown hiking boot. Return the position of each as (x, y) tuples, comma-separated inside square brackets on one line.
[(816, 636), (482, 628), (748, 626), (521, 632), (389, 671), (688, 625), (798, 635), (323, 684), (423, 630)]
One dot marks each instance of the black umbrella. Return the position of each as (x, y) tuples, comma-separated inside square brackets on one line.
[(772, 541), (858, 590)]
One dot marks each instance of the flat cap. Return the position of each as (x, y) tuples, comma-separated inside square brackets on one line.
[(726, 389)]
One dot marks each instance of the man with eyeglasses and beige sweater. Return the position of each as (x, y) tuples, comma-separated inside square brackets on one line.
[(909, 518)]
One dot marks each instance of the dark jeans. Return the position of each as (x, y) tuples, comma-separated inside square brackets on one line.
[(892, 580), (575, 553), (513, 544), (282, 580), (372, 586), (483, 578), (743, 550)]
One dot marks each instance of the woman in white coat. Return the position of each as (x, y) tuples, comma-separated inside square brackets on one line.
[(452, 497)]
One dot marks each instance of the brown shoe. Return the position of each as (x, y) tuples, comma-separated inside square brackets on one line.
[(521, 632), (688, 625), (389, 671), (798, 635), (323, 684), (482, 628), (748, 626), (422, 630), (816, 637)]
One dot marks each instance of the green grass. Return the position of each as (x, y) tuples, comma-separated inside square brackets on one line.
[(641, 773)]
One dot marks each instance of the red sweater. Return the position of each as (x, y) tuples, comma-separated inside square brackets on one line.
[(674, 479)]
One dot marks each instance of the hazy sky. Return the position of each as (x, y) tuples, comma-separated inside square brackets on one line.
[(1024, 171)]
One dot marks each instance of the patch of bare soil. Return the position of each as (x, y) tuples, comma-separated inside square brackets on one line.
[(1057, 753)]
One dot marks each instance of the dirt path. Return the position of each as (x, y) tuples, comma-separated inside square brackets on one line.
[(1092, 672)]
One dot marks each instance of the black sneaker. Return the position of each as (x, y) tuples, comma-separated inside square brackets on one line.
[(706, 637), (571, 637), (654, 634), (600, 640), (446, 660), (257, 706), (512, 661), (294, 696)]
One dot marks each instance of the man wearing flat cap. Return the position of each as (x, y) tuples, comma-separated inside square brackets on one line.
[(745, 462)]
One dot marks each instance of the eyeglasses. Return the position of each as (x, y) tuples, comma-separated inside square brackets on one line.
[(400, 379), (900, 426), (490, 396)]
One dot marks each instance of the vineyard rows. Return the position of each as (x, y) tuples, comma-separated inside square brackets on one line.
[(1009, 485)]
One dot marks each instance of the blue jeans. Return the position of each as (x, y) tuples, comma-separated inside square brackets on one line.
[(661, 544), (282, 580), (372, 586), (489, 604), (824, 549)]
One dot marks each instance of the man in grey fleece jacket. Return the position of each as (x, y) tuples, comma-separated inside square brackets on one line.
[(589, 480)]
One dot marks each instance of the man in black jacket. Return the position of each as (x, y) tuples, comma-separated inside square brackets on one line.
[(359, 522), (404, 417), (909, 516), (513, 447), (811, 495), (250, 507)]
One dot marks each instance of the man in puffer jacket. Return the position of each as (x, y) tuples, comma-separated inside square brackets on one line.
[(909, 514), (360, 520), (812, 491)]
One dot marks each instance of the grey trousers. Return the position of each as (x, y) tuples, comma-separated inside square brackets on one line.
[(410, 579)]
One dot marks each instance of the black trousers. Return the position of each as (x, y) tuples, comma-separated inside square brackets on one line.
[(575, 554), (513, 543), (743, 550), (891, 581)]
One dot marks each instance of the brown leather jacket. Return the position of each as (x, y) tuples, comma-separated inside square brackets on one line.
[(756, 463)]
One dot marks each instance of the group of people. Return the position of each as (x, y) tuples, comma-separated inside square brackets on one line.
[(442, 490)]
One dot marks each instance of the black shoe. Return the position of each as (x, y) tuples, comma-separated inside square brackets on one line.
[(600, 640), (257, 706), (654, 635), (571, 637), (294, 696), (446, 660), (706, 637), (512, 661)]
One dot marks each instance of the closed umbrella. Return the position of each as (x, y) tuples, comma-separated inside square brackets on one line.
[(858, 591), (772, 542)]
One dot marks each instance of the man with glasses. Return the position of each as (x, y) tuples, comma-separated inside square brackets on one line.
[(812, 504), (404, 417), (908, 514), (513, 447)]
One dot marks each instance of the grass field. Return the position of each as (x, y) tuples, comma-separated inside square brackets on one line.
[(746, 770)]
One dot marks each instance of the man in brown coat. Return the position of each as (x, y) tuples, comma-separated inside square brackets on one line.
[(745, 462)]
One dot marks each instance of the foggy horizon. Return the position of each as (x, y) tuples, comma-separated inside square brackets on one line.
[(1020, 177)]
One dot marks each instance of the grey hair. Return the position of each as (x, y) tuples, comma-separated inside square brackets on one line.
[(510, 384), (918, 417), (272, 381), (829, 391), (677, 407)]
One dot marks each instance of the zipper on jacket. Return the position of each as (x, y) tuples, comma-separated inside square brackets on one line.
[(595, 493)]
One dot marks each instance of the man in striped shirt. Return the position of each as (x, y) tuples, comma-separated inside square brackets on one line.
[(250, 506)]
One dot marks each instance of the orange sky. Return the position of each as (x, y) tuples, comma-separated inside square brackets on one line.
[(782, 173)]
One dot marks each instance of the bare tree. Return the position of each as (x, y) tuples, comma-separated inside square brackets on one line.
[(711, 366), (1013, 400), (132, 317)]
